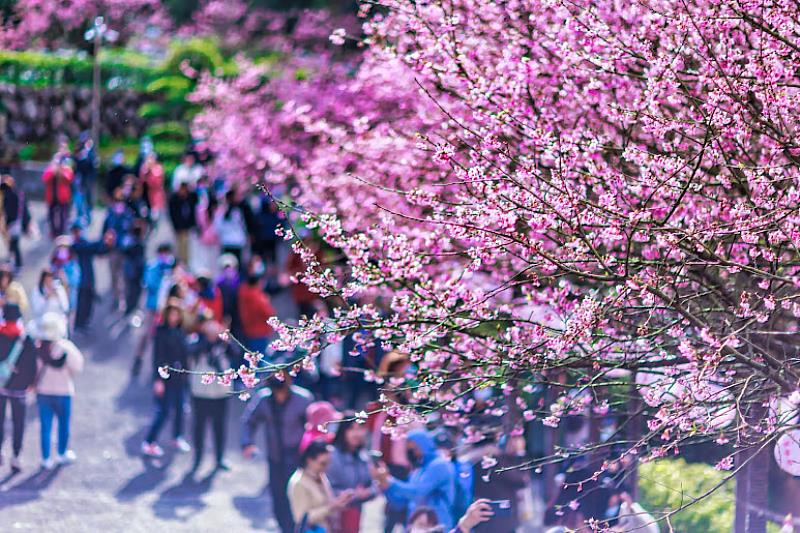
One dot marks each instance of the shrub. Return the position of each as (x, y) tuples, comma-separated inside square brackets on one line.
[(668, 484)]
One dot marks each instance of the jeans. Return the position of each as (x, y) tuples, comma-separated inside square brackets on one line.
[(133, 292), (82, 210), (61, 407), (209, 410), (58, 215), (17, 421), (171, 400)]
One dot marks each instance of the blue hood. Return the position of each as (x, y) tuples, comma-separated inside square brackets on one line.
[(425, 443)]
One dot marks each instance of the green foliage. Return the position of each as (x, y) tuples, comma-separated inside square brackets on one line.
[(171, 130), (668, 484), (42, 69)]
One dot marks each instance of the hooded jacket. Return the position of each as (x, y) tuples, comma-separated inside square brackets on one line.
[(431, 485)]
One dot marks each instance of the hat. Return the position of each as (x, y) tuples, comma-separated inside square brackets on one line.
[(228, 260), (11, 312), (51, 327), (63, 240), (76, 225), (321, 413)]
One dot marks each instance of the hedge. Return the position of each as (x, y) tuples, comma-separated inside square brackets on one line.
[(43, 69)]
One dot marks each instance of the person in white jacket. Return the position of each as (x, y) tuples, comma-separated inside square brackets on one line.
[(49, 296), (60, 361)]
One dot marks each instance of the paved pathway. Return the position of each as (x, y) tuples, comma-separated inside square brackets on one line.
[(111, 488)]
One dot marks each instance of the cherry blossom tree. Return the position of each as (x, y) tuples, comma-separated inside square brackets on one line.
[(63, 23), (591, 199)]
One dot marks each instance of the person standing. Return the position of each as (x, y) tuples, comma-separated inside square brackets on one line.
[(182, 206), (55, 388), (18, 364), (133, 265), (49, 297), (311, 498), (255, 308), (232, 222), (85, 177), (206, 249), (11, 291), (57, 179), (152, 175), (187, 173), (117, 173), (209, 355), (85, 252), (281, 409), (119, 219), (66, 269), (156, 272), (432, 481), (17, 217), (350, 469), (170, 350)]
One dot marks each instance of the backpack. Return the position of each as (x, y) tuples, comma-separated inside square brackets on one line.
[(8, 365)]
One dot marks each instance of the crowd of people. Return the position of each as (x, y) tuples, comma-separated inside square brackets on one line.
[(201, 305)]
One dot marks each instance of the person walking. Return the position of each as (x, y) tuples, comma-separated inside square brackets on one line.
[(156, 273), (231, 221), (18, 364), (170, 350), (65, 268), (255, 308), (349, 470), (119, 219), (61, 360), (57, 179), (280, 408), (313, 504), (182, 206), (209, 356), (432, 481), (17, 218), (50, 296), (85, 252)]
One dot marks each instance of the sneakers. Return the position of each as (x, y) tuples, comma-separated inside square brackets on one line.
[(223, 466), (48, 464), (16, 464), (181, 445), (67, 458), (151, 449)]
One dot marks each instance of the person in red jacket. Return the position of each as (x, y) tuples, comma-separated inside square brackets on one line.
[(57, 179), (255, 308)]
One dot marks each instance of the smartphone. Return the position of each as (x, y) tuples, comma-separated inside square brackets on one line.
[(375, 456), (500, 508)]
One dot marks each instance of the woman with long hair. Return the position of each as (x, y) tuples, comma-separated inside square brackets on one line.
[(350, 469)]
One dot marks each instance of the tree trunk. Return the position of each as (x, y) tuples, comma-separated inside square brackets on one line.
[(752, 485)]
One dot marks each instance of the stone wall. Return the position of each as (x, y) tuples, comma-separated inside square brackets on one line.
[(33, 115)]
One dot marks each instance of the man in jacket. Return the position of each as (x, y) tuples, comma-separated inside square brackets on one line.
[(432, 482), (119, 219), (18, 355), (17, 217), (182, 210), (85, 252), (281, 409), (255, 308)]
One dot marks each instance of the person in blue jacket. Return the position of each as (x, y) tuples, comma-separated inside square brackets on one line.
[(156, 271), (432, 481)]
